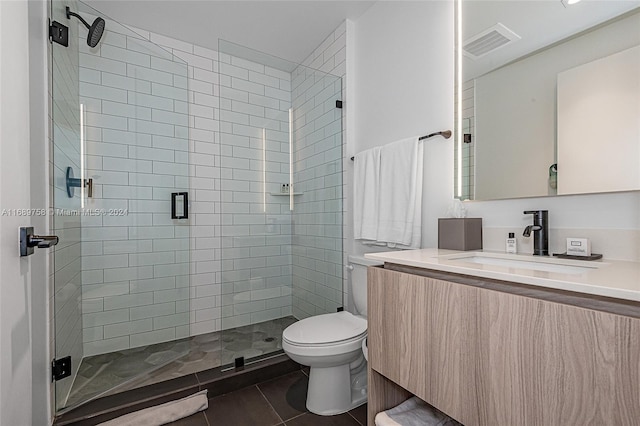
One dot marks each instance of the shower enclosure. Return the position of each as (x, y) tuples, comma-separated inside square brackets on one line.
[(197, 195)]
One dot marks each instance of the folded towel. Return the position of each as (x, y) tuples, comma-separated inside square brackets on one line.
[(164, 413), (414, 412), (400, 200), (366, 182)]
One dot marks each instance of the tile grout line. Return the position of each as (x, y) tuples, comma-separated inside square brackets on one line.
[(357, 421), (299, 415), (271, 406)]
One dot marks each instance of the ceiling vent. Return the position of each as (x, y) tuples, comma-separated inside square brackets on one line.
[(488, 41)]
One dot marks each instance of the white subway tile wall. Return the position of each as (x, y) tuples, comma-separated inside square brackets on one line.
[(256, 224), (156, 125), (135, 258), (319, 285), (468, 150)]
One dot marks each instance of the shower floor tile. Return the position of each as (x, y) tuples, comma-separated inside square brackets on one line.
[(115, 372)]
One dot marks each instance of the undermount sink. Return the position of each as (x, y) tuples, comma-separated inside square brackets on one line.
[(545, 264)]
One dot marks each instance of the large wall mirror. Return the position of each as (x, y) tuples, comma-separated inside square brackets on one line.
[(548, 98)]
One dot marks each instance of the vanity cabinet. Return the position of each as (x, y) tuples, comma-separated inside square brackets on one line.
[(491, 353)]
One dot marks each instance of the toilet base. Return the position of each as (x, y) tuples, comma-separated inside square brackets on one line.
[(347, 389)]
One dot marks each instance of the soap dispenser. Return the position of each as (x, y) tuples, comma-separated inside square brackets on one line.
[(512, 244)]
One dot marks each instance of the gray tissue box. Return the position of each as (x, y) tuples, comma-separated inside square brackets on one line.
[(460, 233)]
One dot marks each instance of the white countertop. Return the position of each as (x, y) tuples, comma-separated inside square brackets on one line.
[(610, 278)]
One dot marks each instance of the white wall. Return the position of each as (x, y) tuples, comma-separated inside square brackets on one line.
[(598, 127), (41, 292), (403, 78), (23, 361)]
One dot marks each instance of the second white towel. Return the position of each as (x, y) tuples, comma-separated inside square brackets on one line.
[(400, 194)]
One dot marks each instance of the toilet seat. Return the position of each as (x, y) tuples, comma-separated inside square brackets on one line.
[(357, 338), (326, 330)]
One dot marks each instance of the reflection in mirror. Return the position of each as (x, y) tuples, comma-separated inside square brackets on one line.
[(521, 96)]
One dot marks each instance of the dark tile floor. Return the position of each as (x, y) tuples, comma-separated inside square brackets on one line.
[(280, 401)]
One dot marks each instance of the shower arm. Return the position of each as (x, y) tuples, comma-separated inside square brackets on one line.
[(70, 14)]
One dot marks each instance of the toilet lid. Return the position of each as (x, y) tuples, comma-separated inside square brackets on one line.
[(326, 328)]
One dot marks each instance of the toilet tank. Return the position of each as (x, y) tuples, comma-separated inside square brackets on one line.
[(358, 278)]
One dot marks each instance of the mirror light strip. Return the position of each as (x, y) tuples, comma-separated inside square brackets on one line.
[(459, 132), (264, 170), (82, 177), (291, 159)]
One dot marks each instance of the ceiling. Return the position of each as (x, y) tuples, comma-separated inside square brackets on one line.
[(285, 29), (539, 23)]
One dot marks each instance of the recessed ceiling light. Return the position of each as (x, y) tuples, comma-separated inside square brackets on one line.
[(572, 1)]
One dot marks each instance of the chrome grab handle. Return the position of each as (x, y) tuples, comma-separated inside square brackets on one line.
[(42, 241), (349, 267)]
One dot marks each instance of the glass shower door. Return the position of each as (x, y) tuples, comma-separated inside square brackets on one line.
[(120, 183), (281, 182), (256, 192)]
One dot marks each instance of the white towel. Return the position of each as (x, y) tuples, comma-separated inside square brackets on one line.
[(413, 412), (164, 413), (400, 199), (366, 187)]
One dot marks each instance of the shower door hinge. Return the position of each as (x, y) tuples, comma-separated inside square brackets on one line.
[(59, 33), (338, 104), (60, 368)]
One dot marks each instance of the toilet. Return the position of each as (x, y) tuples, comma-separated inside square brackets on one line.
[(332, 346)]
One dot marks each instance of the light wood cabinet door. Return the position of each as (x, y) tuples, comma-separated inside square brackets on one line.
[(415, 326), (544, 363)]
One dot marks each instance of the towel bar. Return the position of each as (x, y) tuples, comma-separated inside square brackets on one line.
[(445, 134)]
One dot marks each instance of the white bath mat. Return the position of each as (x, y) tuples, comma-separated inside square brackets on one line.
[(164, 413)]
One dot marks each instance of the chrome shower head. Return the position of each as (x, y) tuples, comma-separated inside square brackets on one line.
[(95, 30)]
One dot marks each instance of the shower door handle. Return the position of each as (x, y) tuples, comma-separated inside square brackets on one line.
[(88, 183), (179, 205), (28, 241)]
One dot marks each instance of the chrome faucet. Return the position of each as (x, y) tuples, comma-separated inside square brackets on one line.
[(540, 230)]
